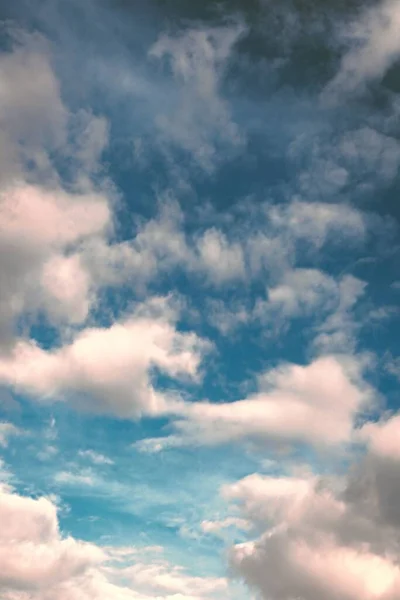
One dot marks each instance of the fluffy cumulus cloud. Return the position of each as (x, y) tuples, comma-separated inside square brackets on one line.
[(325, 536), (42, 221), (320, 537), (109, 369), (37, 226)]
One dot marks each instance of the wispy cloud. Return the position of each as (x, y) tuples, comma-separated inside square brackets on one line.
[(201, 123)]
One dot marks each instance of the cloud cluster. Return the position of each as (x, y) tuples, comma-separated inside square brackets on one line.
[(38, 563), (43, 218), (325, 537), (264, 262), (268, 242), (56, 231)]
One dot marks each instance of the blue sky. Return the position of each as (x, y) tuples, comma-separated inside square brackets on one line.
[(199, 300)]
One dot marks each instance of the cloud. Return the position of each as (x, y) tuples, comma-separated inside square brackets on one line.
[(373, 46), (382, 437), (215, 527), (299, 293), (352, 164), (318, 222), (33, 118), (221, 260), (62, 271), (302, 290), (393, 366), (226, 317), (287, 232), (169, 582), (38, 563), (82, 479), (68, 287), (332, 305), (268, 242), (315, 404), (37, 226), (318, 540), (34, 557), (64, 244), (161, 246), (326, 536), (46, 216), (7, 430), (95, 457), (109, 369), (201, 123), (338, 332)]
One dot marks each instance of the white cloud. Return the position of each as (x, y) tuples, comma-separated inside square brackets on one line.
[(393, 366), (383, 437), (164, 581), (36, 228), (33, 555), (109, 369), (95, 457), (7, 430), (68, 288), (6, 477), (225, 316), (32, 115), (270, 242), (373, 46), (318, 222), (316, 404), (317, 542), (82, 479), (56, 250), (325, 536), (42, 220), (201, 123), (300, 292), (215, 527), (352, 164), (285, 232), (38, 563), (161, 246), (338, 332), (221, 260)]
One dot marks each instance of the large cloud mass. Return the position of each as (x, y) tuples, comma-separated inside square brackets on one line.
[(325, 537)]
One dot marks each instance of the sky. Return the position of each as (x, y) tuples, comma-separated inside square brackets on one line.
[(199, 300)]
